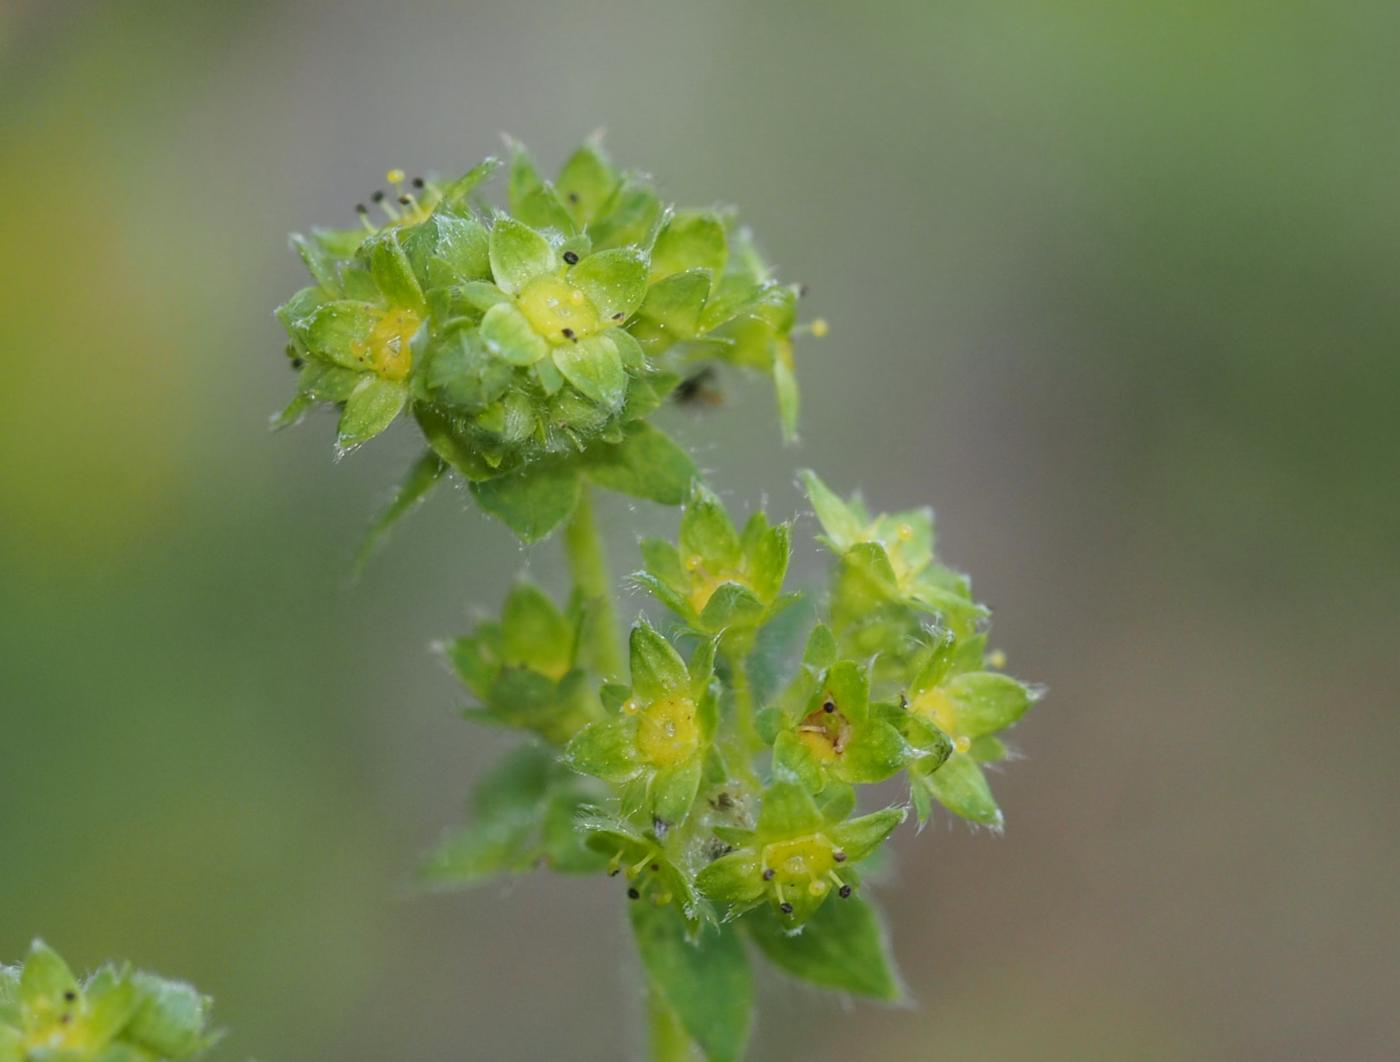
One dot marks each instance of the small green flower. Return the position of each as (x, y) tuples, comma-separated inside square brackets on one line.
[(888, 560), (116, 1015), (796, 856), (525, 669), (829, 731), (655, 740), (955, 692), (719, 581), (646, 861)]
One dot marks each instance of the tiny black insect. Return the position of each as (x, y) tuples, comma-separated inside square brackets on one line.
[(571, 257)]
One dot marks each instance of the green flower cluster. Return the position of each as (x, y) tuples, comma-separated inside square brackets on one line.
[(725, 794), (116, 1015), (531, 345)]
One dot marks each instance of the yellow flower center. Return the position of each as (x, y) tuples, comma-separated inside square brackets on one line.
[(704, 583), (667, 732), (825, 733), (938, 708), (558, 311), (389, 344), (803, 863)]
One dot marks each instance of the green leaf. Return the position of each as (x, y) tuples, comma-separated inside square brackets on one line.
[(615, 281), (646, 464), (531, 502), (690, 240), (518, 254), (961, 787), (706, 983), (371, 408), (593, 366), (421, 478), (586, 183), (843, 947), (657, 669), (986, 701), (509, 335)]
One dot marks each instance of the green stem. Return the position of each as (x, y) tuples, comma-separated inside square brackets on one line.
[(749, 742), (669, 1043), (589, 564)]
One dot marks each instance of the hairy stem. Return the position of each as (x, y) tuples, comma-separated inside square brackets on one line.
[(589, 565), (748, 741)]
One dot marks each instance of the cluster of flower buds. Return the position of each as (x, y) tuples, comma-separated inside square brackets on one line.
[(115, 1015), (531, 344)]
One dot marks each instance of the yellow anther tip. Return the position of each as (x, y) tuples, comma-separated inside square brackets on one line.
[(820, 328), (394, 176)]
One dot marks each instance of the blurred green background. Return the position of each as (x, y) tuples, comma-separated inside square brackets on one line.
[(1114, 286)]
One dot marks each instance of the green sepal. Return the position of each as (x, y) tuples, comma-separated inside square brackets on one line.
[(630, 217), (860, 837), (594, 367), (531, 502), (615, 281), (706, 531), (788, 810), (456, 196), (673, 791), (44, 983), (518, 254), (704, 978), (509, 335), (657, 669), (676, 302), (843, 525), (372, 406), (605, 749), (789, 399), (446, 250), (586, 183), (735, 878), (986, 701), (961, 787), (690, 240), (843, 946), (392, 271), (171, 1019)]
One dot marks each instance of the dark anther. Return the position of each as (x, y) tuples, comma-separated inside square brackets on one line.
[(614, 872), (785, 907), (64, 1019), (70, 995), (568, 333), (839, 856), (573, 197), (633, 894), (904, 702), (378, 196), (360, 208), (829, 706), (418, 182), (405, 199), (844, 892), (571, 257), (656, 866), (768, 874), (297, 363), (802, 290), (618, 316)]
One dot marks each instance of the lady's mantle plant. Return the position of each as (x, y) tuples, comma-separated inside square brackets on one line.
[(532, 348)]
